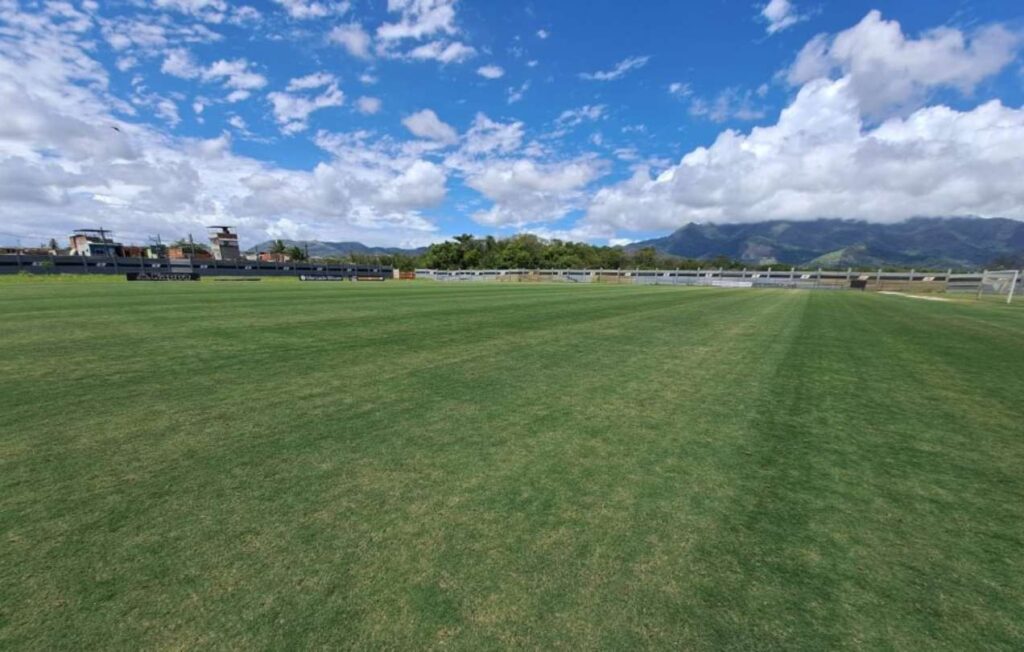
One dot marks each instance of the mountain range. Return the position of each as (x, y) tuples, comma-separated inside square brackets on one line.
[(933, 242), (958, 242), (318, 249)]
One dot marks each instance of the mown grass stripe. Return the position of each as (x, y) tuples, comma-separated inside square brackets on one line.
[(487, 465)]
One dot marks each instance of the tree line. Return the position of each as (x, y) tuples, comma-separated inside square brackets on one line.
[(528, 251), (279, 248)]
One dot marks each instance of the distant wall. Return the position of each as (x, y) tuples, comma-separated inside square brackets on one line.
[(789, 278)]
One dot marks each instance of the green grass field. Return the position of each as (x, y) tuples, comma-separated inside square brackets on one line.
[(479, 466)]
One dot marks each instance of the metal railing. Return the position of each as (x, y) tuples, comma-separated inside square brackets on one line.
[(913, 280)]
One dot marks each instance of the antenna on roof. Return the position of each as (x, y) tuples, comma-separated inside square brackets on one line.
[(103, 232)]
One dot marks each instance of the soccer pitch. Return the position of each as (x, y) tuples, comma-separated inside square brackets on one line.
[(474, 466)]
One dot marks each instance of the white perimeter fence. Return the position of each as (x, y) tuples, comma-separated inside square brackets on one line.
[(977, 283)]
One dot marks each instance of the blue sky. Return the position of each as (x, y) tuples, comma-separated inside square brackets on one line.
[(401, 122)]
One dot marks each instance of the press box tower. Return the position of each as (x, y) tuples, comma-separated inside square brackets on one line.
[(224, 243)]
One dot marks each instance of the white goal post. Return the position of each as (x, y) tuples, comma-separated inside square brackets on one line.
[(1000, 284)]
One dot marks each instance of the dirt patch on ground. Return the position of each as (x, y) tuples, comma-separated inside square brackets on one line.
[(914, 296)]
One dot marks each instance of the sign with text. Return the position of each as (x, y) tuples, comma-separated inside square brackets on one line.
[(161, 276)]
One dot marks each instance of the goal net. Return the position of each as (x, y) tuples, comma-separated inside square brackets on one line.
[(1001, 285)]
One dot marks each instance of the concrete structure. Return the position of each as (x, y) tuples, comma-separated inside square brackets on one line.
[(182, 252), (224, 243), (94, 242), (27, 251), (269, 257), (135, 251)]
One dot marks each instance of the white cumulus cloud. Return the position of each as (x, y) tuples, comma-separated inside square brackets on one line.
[(353, 38), (525, 192), (313, 80), (856, 141), (419, 19), (63, 165), (486, 136), (454, 52), (680, 89), (368, 105), (586, 113), (292, 111), (819, 160), (491, 72), (426, 124), (235, 74), (889, 70), (780, 14), (310, 9)]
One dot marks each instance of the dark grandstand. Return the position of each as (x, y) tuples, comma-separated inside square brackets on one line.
[(57, 264)]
